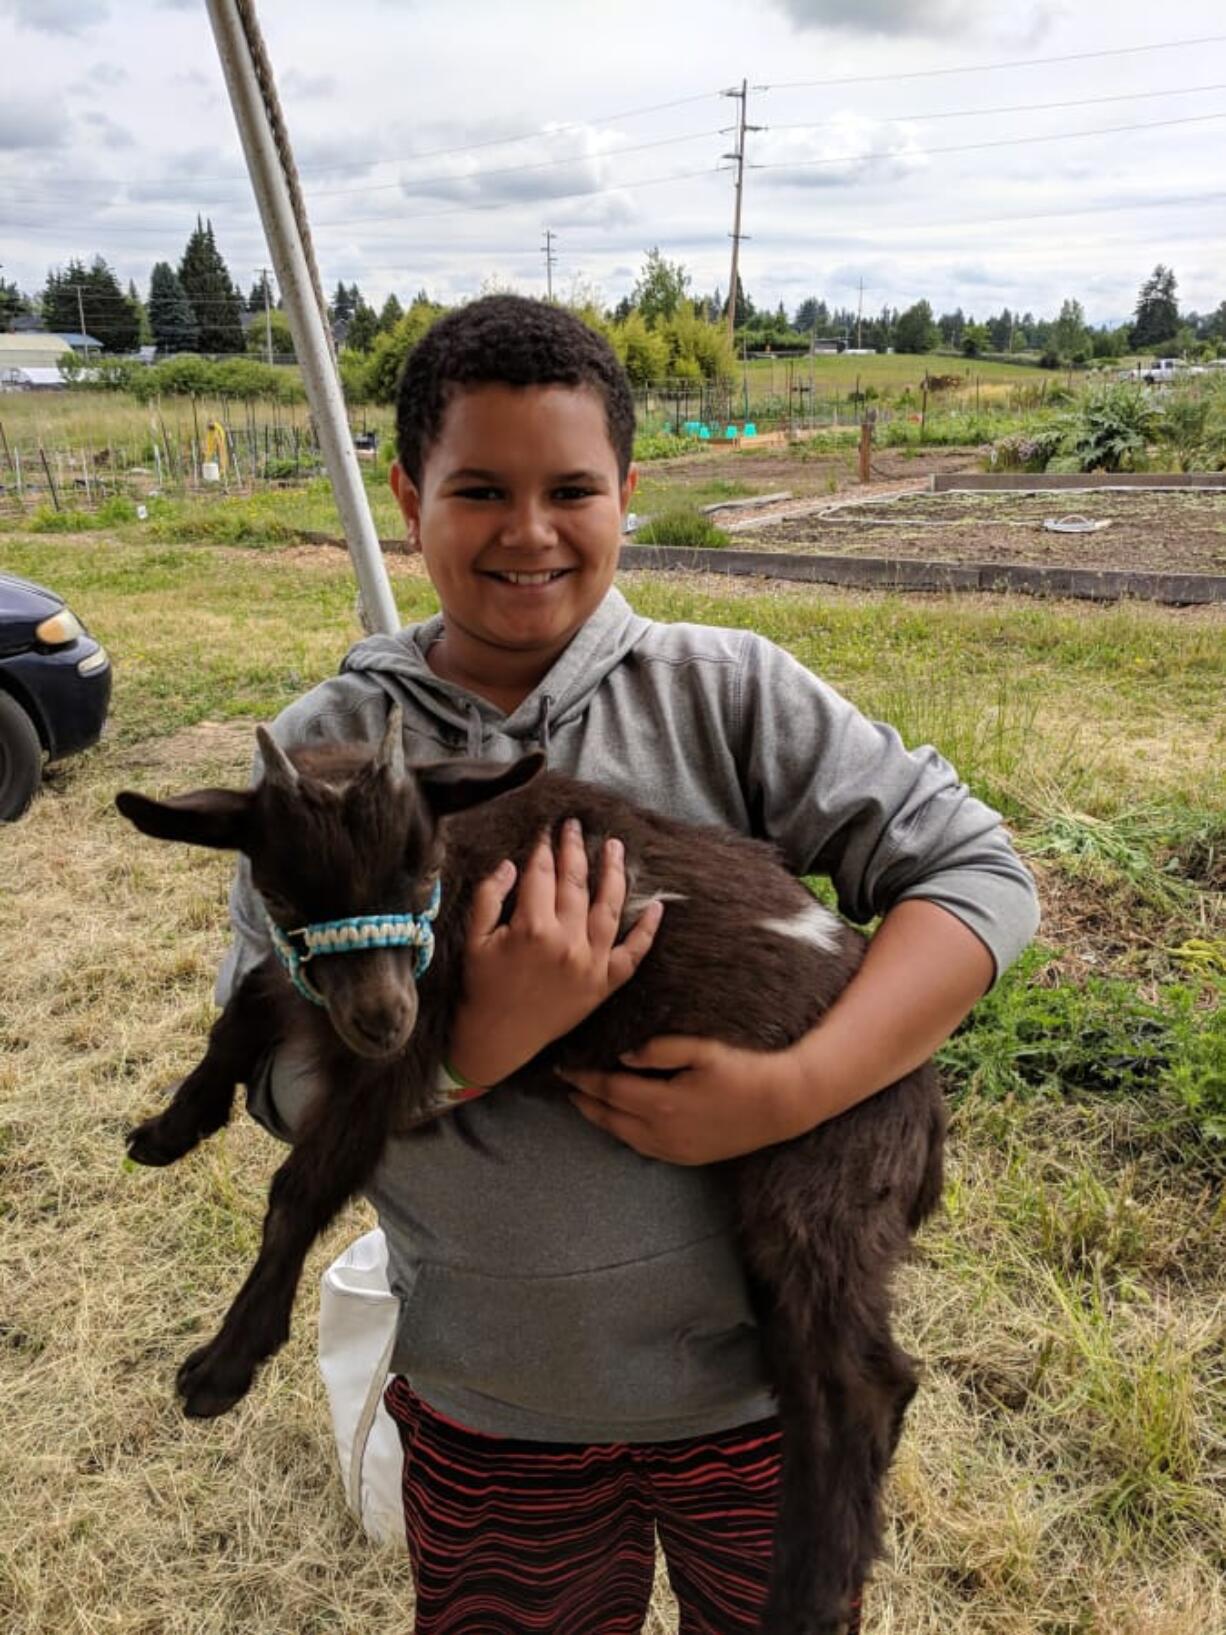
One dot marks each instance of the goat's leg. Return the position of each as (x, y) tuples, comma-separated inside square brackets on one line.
[(202, 1101), (333, 1157), (843, 1392)]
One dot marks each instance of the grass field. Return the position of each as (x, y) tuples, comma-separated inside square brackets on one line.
[(1064, 1467)]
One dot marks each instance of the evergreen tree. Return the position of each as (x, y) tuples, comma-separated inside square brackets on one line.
[(91, 293), (811, 314), (952, 326), (745, 311), (13, 304), (215, 301), (170, 312), (342, 305), (390, 315), (255, 300), (363, 326), (1157, 311)]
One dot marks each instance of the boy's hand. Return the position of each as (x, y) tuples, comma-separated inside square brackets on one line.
[(721, 1101), (530, 981)]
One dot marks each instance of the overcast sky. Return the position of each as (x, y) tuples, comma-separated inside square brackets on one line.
[(437, 139)]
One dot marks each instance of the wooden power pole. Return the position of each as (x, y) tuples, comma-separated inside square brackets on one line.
[(739, 155)]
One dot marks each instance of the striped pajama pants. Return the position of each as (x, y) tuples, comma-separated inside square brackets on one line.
[(510, 1537)]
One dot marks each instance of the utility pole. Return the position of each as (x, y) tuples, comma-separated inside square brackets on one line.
[(266, 274), (860, 320), (550, 260), (739, 155), (81, 316)]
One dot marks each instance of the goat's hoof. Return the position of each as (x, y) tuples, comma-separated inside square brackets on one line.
[(157, 1142), (211, 1380)]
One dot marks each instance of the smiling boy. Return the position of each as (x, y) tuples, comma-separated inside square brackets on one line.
[(578, 1367)]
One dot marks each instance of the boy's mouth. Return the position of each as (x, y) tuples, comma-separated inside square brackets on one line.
[(515, 578)]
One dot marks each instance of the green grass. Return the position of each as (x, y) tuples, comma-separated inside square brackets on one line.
[(1060, 1473)]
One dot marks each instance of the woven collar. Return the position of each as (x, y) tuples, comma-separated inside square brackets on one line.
[(355, 936)]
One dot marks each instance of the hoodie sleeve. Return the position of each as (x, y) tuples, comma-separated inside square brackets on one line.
[(843, 797)]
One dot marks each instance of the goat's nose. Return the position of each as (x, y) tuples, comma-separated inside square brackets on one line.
[(384, 1025)]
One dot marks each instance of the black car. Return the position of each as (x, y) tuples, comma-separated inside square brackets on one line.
[(55, 685)]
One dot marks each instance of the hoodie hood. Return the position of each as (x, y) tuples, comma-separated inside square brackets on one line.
[(398, 665)]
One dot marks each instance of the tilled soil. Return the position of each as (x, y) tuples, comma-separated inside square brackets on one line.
[(1177, 532)]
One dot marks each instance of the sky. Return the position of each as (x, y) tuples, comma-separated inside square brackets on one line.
[(923, 148)]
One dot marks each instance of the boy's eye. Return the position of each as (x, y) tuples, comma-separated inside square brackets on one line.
[(573, 492), (478, 491)]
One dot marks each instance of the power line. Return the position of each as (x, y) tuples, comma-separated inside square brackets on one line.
[(411, 184), (676, 176), (972, 147), (990, 67), (1017, 107), (241, 178)]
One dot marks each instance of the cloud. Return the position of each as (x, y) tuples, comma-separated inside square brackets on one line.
[(56, 16), (937, 19), (847, 149), (299, 84), (106, 131), (27, 125), (574, 161)]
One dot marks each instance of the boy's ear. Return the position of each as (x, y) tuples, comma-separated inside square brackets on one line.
[(408, 499), (454, 786), (206, 817)]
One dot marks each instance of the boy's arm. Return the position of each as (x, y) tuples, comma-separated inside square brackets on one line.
[(900, 836), (923, 972)]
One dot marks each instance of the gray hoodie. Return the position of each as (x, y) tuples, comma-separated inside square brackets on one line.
[(555, 1285)]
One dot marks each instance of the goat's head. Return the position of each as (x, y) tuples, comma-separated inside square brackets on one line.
[(340, 833)]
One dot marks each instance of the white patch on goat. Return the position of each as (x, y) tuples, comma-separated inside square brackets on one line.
[(638, 901), (812, 924)]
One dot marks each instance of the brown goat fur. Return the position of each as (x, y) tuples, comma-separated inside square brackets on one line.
[(824, 1219)]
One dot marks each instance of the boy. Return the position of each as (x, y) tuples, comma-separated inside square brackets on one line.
[(577, 1363)]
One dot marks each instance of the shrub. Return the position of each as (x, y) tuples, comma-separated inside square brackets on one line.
[(665, 445), (1112, 428), (1026, 450)]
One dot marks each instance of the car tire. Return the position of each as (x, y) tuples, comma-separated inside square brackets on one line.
[(21, 759)]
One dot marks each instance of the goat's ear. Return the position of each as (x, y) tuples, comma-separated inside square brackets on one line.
[(207, 817), (454, 786)]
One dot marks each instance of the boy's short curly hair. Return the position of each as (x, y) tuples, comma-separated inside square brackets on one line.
[(506, 340)]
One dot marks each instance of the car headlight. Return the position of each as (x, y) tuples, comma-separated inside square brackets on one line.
[(60, 629)]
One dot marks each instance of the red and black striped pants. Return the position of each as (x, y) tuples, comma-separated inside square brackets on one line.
[(511, 1537)]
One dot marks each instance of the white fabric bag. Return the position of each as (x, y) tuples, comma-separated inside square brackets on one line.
[(358, 1315)]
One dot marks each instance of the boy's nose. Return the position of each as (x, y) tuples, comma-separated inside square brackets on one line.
[(529, 527)]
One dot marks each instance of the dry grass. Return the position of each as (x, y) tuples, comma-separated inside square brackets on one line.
[(1064, 1469)]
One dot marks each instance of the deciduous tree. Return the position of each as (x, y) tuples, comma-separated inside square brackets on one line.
[(915, 330)]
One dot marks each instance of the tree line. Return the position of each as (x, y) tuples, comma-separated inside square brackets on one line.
[(661, 329)]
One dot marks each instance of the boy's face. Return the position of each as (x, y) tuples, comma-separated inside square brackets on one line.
[(519, 518)]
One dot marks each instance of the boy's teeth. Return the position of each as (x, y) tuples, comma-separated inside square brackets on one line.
[(529, 578)]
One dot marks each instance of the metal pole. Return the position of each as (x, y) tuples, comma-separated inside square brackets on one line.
[(306, 322), (266, 274)]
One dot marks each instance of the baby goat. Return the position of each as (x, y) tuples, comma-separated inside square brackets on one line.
[(340, 831)]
